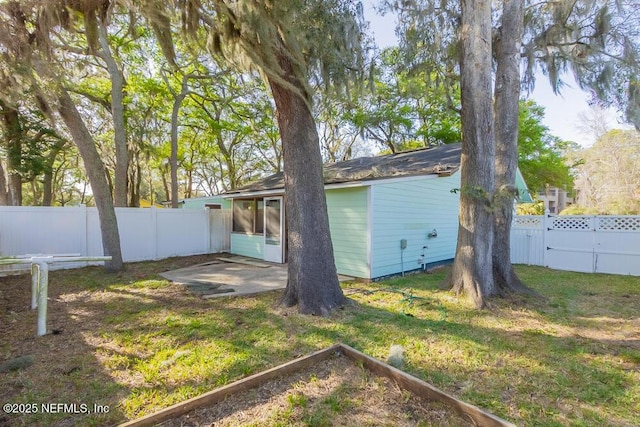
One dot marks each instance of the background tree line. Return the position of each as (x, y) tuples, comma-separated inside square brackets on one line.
[(226, 134)]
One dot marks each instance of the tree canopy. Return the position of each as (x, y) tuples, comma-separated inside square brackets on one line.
[(408, 108), (608, 178), (541, 155)]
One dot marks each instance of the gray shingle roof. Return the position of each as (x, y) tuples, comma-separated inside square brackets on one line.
[(443, 159)]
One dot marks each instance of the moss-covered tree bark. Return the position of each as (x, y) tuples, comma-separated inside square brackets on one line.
[(313, 280), (96, 172), (507, 97), (13, 135), (117, 113), (472, 268)]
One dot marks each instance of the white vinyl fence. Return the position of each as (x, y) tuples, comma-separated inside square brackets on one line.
[(592, 244), (603, 244), (145, 234)]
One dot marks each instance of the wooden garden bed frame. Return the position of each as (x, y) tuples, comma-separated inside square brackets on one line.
[(405, 381)]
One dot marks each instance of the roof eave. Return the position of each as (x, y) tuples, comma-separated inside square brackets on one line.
[(341, 184)]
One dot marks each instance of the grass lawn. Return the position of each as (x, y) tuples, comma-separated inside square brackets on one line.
[(135, 343)]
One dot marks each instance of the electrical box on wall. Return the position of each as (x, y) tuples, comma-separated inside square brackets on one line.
[(403, 244)]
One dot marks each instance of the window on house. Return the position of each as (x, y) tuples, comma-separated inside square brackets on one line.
[(248, 216)]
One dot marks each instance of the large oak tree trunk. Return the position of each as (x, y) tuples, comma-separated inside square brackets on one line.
[(173, 161), (13, 143), (4, 195), (135, 180), (313, 280), (47, 188), (95, 171), (472, 273), (117, 113), (92, 162), (507, 96), (47, 180), (15, 189)]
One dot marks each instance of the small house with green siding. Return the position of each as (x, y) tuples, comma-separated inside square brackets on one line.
[(387, 214), (211, 202)]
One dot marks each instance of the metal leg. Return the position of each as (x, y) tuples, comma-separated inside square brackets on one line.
[(40, 279), (35, 285), (42, 298)]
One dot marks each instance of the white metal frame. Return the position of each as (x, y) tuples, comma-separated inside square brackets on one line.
[(40, 279)]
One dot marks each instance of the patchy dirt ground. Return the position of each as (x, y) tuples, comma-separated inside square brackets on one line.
[(65, 364), (18, 321), (136, 344), (334, 392)]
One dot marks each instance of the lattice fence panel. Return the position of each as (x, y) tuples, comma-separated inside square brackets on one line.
[(571, 223), (522, 221), (619, 223)]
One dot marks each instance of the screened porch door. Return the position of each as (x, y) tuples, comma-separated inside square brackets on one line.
[(273, 229)]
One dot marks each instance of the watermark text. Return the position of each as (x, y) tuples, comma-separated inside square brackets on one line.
[(54, 408)]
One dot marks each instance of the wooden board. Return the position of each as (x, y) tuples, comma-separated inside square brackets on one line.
[(239, 386), (423, 389), (410, 383)]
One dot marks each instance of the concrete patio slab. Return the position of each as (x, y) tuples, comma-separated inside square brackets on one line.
[(230, 276)]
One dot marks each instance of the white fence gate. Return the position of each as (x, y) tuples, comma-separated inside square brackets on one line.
[(593, 244), (145, 234), (220, 224)]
